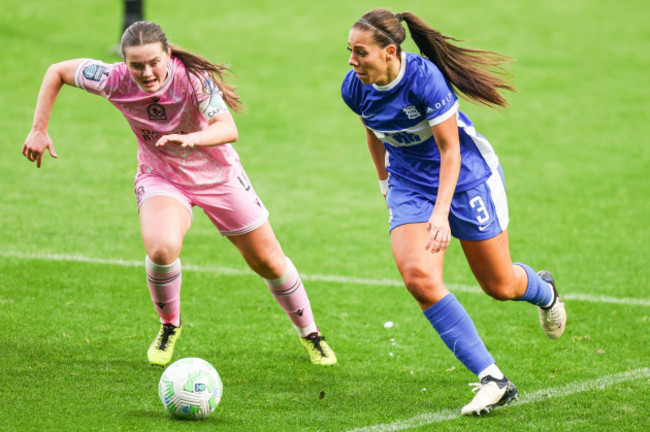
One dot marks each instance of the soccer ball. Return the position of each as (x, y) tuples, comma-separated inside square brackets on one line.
[(190, 388)]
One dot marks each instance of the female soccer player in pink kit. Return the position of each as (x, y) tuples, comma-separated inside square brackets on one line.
[(177, 105)]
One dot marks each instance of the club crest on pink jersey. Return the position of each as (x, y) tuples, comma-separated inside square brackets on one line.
[(156, 111)]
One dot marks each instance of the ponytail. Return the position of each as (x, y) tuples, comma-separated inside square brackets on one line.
[(477, 75), (198, 66)]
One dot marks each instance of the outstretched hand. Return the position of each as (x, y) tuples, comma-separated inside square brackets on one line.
[(183, 140), (35, 144)]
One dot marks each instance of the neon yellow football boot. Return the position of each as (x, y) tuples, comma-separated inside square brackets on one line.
[(162, 348), (319, 351)]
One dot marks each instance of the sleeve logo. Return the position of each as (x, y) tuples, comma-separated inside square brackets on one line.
[(93, 72), (443, 103), (209, 88)]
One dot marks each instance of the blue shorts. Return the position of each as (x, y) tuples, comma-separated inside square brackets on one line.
[(479, 213)]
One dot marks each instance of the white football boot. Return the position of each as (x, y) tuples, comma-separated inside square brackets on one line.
[(492, 393), (553, 317)]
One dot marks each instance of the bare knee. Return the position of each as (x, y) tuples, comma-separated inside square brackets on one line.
[(163, 252), (500, 290), (425, 288), (267, 265)]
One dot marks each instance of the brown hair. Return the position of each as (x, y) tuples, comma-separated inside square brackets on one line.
[(478, 75), (146, 32)]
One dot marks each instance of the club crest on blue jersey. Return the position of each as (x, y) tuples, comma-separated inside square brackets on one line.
[(93, 72), (411, 112)]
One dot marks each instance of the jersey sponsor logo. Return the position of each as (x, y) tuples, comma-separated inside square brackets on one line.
[(411, 112), (149, 135), (93, 72), (415, 135), (405, 137)]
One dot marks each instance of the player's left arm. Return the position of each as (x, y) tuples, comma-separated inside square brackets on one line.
[(446, 136)]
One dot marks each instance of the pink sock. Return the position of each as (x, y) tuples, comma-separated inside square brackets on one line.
[(164, 282), (291, 295)]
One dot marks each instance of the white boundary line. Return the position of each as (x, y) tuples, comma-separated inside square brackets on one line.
[(536, 396), (306, 277)]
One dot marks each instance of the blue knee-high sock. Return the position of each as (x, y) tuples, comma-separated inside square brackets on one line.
[(538, 292), (458, 332)]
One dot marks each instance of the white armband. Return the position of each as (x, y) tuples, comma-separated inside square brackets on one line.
[(212, 106), (383, 186)]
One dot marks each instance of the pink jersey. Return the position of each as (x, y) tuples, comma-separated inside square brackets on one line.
[(174, 109)]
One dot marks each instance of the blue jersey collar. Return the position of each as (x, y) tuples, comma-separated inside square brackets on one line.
[(397, 80)]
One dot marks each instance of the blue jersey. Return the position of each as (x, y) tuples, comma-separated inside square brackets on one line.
[(401, 115)]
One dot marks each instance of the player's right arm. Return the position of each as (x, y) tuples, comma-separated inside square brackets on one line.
[(378, 155), (38, 139)]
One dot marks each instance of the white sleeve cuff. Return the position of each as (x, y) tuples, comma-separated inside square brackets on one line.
[(383, 186)]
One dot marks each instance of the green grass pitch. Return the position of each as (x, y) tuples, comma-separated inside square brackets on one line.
[(75, 312)]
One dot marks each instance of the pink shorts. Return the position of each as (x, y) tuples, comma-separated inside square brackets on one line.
[(233, 207)]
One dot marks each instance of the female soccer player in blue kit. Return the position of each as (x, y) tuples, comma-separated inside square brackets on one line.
[(441, 178)]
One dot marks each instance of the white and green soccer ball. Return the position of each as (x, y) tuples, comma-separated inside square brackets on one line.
[(190, 388)]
